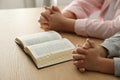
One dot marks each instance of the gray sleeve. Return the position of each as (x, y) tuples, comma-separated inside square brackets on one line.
[(112, 44), (117, 66)]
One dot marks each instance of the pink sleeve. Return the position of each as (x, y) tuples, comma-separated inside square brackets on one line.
[(83, 8), (96, 28)]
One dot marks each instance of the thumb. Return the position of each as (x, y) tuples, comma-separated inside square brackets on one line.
[(51, 9), (86, 45), (55, 8), (91, 43)]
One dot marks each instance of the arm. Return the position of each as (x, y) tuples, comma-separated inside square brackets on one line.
[(69, 14), (83, 8), (97, 28), (90, 58), (56, 21), (106, 65), (113, 46), (66, 14)]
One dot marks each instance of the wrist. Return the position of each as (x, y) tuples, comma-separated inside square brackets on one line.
[(68, 25), (69, 14), (106, 65), (104, 51), (98, 64)]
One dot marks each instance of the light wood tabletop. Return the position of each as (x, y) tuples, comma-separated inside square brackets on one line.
[(16, 65)]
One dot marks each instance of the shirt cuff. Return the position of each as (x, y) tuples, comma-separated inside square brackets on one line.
[(117, 66), (111, 49), (80, 28)]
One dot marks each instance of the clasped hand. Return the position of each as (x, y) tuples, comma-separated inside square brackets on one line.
[(52, 19)]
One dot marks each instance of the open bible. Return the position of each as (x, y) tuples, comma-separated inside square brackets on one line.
[(46, 48)]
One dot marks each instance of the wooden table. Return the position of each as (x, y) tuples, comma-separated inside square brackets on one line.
[(16, 65)]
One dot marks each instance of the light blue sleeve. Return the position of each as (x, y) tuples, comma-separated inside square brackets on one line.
[(117, 66), (112, 44)]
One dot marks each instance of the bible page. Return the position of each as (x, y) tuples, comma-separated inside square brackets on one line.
[(51, 47), (37, 38)]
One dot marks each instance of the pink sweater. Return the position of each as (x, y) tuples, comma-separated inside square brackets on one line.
[(105, 26)]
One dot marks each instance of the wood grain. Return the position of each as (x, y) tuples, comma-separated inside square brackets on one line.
[(16, 65)]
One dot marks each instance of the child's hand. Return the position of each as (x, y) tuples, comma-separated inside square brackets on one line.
[(87, 58), (86, 45), (47, 18), (55, 19)]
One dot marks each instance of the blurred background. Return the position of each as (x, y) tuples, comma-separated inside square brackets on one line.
[(13, 4)]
